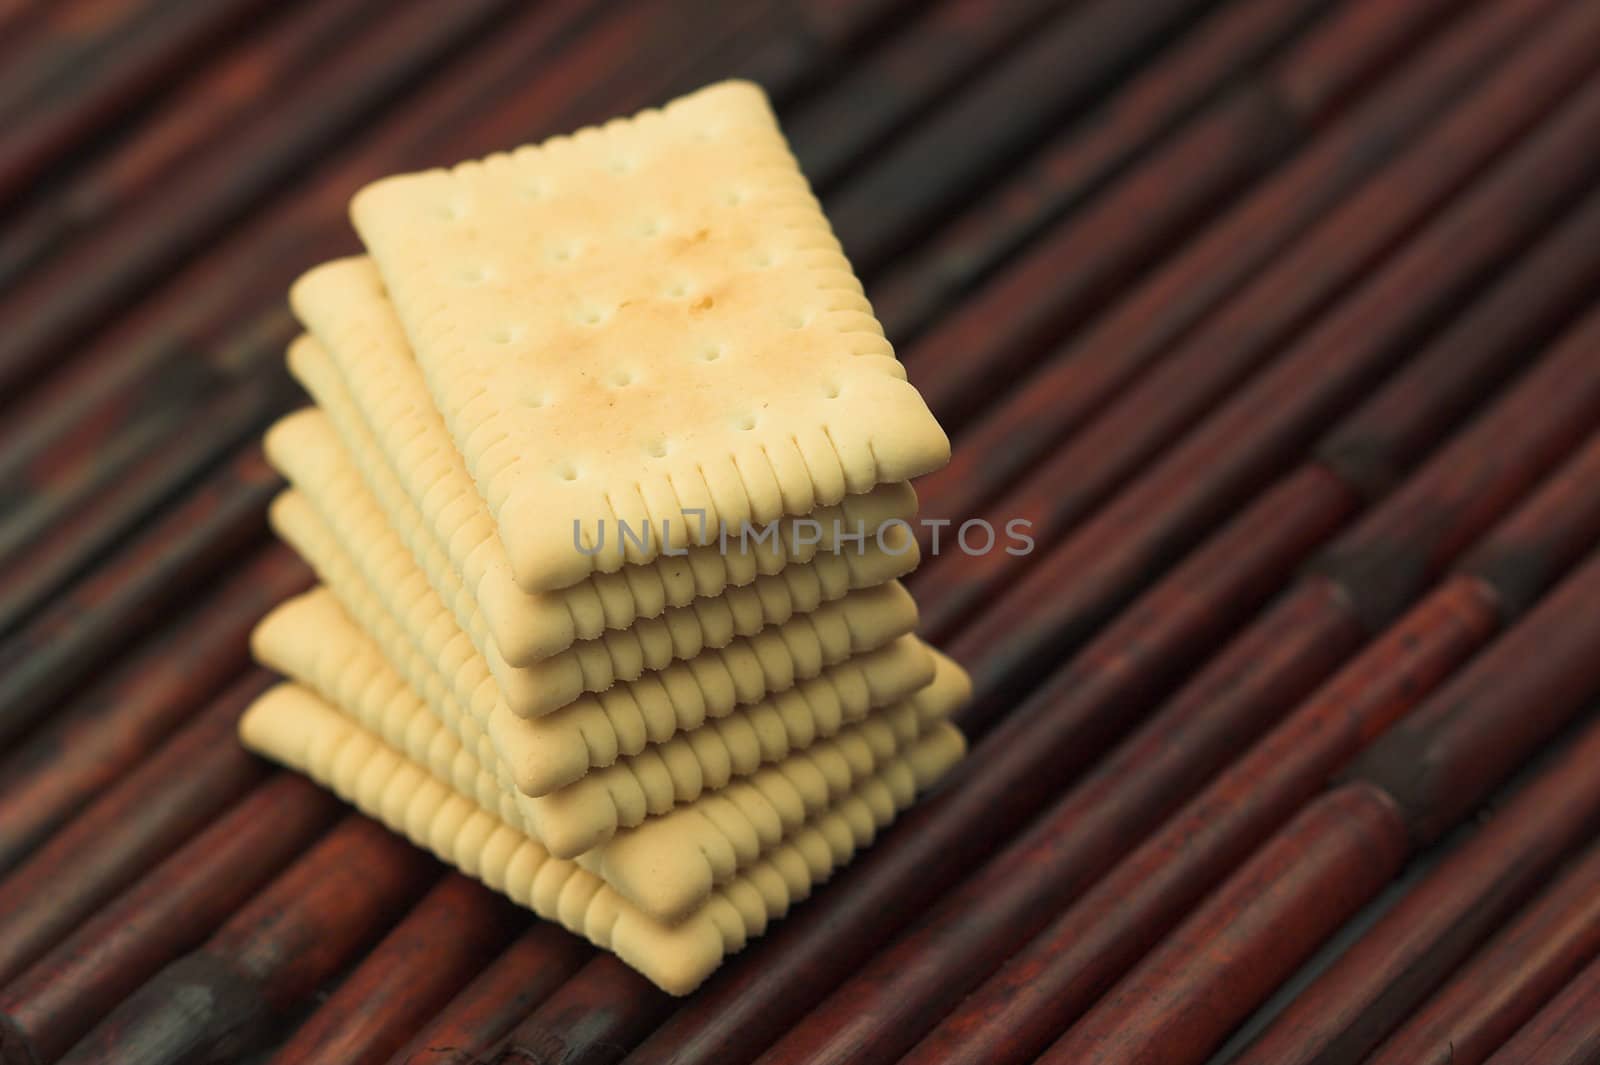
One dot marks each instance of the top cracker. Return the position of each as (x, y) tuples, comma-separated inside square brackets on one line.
[(642, 322)]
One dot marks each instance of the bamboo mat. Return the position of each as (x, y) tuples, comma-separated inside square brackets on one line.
[(1277, 319)]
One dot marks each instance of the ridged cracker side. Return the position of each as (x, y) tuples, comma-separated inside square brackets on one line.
[(668, 865), (292, 726), (659, 775), (349, 453)]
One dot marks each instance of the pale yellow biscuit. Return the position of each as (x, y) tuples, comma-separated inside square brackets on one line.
[(312, 640), (344, 306), (589, 810), (292, 726), (667, 865), (307, 443), (641, 320), (670, 863), (305, 449), (736, 740)]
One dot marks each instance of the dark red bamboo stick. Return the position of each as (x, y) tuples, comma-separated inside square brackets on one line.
[(134, 53), (1391, 969), (66, 539), (995, 121), (585, 1022), (1566, 1032), (91, 742), (869, 103), (128, 829), (85, 468), (1533, 548), (792, 56), (1022, 310), (60, 302), (226, 998), (60, 34), (1289, 897), (1068, 965), (431, 954), (1229, 43), (263, 64), (171, 910), (878, 1014), (1090, 368), (508, 989), (1025, 1004), (18, 26), (104, 611), (1361, 335), (1190, 176), (1186, 995), (84, 428), (1252, 437), (1506, 982)]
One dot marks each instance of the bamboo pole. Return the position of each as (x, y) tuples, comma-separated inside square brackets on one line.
[(1013, 318), (584, 1022), (99, 736), (103, 612), (228, 996), (1371, 327), (131, 827), (1078, 584), (91, 66), (111, 955), (1566, 1032), (62, 300), (1191, 990), (911, 292), (1521, 968), (995, 121), (219, 95), (414, 970), (932, 54), (525, 974)]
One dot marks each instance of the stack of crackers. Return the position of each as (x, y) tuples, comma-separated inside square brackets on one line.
[(606, 486)]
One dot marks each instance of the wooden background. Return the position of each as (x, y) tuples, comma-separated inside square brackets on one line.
[(1273, 316)]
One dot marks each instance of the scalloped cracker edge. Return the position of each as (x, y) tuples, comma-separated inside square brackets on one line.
[(642, 320), (290, 725), (832, 664), (645, 779), (329, 449), (304, 447), (668, 865)]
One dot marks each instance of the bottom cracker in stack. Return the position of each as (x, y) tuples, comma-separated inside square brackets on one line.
[(673, 895)]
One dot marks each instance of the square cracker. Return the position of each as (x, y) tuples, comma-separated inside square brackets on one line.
[(640, 320), (668, 865), (290, 725), (359, 339), (653, 775), (679, 632)]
